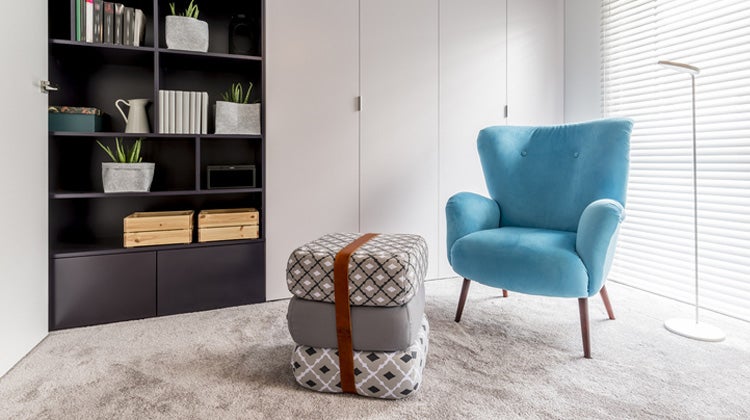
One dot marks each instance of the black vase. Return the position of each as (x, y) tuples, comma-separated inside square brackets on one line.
[(244, 35)]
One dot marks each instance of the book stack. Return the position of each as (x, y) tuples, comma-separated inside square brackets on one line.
[(182, 112), (99, 21)]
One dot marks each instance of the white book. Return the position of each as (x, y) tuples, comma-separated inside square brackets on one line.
[(178, 112), (204, 114), (193, 112), (171, 111), (89, 21), (185, 112), (161, 110), (198, 112), (139, 27)]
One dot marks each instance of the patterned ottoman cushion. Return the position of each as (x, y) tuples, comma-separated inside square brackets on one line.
[(389, 375), (385, 271)]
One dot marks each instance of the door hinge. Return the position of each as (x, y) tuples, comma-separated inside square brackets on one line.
[(46, 86), (505, 111)]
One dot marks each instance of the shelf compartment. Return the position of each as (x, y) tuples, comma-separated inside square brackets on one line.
[(230, 152), (218, 15), (62, 20), (93, 219), (211, 78), (76, 165), (85, 81)]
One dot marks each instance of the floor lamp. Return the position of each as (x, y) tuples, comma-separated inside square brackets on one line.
[(682, 326)]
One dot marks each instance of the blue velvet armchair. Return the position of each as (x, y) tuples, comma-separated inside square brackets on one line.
[(551, 224)]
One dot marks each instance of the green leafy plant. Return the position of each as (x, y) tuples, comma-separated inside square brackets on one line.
[(191, 11), (235, 94), (123, 153)]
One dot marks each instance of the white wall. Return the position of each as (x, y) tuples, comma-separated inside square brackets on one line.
[(23, 181), (582, 60)]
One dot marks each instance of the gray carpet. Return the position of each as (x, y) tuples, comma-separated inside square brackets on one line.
[(519, 357)]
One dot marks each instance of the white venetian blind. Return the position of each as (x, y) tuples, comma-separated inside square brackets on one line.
[(655, 250)]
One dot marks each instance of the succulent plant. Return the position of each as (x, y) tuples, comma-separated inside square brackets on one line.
[(235, 94), (122, 153), (191, 11)]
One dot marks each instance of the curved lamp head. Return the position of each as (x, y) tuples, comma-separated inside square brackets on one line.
[(680, 67)]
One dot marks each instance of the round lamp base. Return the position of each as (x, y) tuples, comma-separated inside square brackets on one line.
[(695, 330)]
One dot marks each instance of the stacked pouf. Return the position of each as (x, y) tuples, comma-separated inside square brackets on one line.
[(389, 332)]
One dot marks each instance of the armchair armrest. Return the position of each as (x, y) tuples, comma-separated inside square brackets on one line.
[(466, 213), (596, 239)]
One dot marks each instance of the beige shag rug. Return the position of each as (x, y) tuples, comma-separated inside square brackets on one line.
[(518, 357)]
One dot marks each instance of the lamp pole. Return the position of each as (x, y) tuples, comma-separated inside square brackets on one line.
[(685, 327)]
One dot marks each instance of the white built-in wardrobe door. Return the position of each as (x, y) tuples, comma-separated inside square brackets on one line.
[(536, 49), (399, 119), (472, 96), (312, 127)]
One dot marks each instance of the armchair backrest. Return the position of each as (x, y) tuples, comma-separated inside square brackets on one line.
[(544, 177)]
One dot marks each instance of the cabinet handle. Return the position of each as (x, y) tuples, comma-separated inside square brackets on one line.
[(47, 86), (359, 103)]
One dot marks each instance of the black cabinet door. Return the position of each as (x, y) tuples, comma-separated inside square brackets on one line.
[(208, 278), (101, 289)]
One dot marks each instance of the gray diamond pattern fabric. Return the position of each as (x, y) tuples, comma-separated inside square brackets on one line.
[(387, 375), (385, 271)]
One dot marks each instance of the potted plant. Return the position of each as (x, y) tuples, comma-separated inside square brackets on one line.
[(127, 172), (184, 31), (235, 115)]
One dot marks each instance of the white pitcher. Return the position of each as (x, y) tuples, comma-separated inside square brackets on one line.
[(137, 119)]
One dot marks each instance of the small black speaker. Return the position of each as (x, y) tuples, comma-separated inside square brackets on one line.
[(244, 35), (230, 176)]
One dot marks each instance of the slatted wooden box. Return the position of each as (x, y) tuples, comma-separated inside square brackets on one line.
[(228, 224), (158, 228)]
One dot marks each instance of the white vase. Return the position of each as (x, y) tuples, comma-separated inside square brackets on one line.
[(234, 118), (184, 33), (127, 177)]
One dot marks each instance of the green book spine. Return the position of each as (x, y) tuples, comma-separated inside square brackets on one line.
[(78, 20)]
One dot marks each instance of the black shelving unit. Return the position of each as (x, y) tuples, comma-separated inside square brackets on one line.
[(93, 278)]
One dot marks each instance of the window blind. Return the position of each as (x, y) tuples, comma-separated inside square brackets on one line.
[(655, 249)]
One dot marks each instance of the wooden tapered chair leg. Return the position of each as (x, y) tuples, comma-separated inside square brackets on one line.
[(607, 304), (462, 299), (583, 308), (505, 293)]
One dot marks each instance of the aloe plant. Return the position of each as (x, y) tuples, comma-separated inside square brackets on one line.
[(191, 11), (122, 153), (235, 94)]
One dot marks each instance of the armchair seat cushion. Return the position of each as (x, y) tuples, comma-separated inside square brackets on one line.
[(526, 260)]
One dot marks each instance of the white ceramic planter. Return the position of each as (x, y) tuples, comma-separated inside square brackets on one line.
[(234, 118), (184, 33), (127, 177)]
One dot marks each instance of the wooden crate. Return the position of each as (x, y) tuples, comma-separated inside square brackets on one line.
[(159, 237), (158, 228), (228, 217), (227, 233), (158, 221)]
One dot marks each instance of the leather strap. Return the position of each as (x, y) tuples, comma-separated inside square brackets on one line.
[(343, 312)]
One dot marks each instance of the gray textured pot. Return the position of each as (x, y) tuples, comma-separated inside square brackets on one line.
[(184, 33), (127, 177), (234, 118)]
